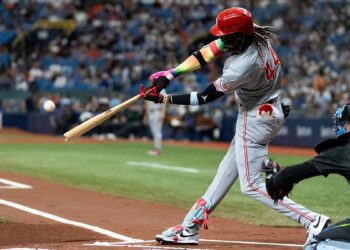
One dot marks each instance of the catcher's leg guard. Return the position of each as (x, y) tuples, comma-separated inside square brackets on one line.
[(198, 214)]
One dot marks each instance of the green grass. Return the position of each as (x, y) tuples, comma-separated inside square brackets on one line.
[(104, 168)]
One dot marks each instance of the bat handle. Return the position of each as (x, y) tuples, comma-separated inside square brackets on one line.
[(143, 93), (151, 89)]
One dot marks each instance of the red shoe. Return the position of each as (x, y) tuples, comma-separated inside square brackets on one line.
[(154, 152)]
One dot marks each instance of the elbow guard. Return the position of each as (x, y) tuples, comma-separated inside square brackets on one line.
[(208, 95), (198, 55)]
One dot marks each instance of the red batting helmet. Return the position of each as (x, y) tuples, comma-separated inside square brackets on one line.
[(233, 20)]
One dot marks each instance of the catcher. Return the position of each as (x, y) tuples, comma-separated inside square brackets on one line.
[(333, 157)]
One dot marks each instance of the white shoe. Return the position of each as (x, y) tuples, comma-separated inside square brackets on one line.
[(178, 235), (315, 227), (188, 231)]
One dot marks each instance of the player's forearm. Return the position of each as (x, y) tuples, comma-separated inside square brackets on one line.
[(194, 98), (296, 173), (200, 58)]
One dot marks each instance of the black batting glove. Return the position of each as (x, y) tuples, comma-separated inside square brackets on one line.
[(160, 83), (161, 79)]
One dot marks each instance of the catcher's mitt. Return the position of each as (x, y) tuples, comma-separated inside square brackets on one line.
[(276, 187)]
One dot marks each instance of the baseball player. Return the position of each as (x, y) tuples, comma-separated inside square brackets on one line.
[(333, 158), (252, 72), (154, 116)]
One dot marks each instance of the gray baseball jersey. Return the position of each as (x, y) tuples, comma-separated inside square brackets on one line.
[(254, 77)]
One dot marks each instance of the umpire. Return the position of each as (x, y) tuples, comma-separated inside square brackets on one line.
[(333, 157)]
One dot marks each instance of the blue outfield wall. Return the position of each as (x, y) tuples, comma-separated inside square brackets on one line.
[(304, 132), (15, 120), (297, 132), (34, 122)]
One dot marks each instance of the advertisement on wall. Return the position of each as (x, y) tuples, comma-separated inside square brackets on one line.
[(304, 132)]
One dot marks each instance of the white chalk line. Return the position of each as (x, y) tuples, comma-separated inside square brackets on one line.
[(252, 243), (121, 244), (70, 222), (161, 247), (139, 245), (163, 166), (24, 248), (13, 185)]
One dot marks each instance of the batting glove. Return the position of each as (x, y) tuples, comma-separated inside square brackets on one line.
[(151, 94), (161, 79)]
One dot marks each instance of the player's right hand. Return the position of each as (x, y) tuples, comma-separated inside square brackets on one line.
[(161, 79), (151, 94)]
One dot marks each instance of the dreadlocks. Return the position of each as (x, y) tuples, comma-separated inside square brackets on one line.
[(237, 43), (264, 33)]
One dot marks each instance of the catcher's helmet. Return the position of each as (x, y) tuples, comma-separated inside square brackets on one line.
[(233, 20), (341, 119)]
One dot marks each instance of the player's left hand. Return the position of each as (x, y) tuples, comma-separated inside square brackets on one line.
[(151, 94), (161, 79)]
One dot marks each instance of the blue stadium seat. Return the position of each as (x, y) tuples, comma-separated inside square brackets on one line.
[(7, 37), (44, 84)]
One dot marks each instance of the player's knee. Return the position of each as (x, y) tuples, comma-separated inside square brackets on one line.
[(248, 190)]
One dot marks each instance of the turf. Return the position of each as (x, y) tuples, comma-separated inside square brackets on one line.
[(105, 168)]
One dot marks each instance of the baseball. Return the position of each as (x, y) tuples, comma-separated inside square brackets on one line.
[(49, 106)]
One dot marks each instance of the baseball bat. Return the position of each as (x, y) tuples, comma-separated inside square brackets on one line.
[(98, 119)]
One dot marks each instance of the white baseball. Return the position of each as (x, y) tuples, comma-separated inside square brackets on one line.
[(49, 106)]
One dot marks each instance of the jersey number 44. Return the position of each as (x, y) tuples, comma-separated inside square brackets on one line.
[(269, 70)]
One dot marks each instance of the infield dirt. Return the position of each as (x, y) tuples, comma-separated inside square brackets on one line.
[(132, 218)]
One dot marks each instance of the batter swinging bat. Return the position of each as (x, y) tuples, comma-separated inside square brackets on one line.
[(98, 119)]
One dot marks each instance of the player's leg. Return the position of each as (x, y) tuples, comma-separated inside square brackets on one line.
[(252, 137), (188, 231), (226, 175), (156, 130), (253, 185), (158, 137)]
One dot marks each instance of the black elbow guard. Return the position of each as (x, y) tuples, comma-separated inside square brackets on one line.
[(198, 55), (208, 95)]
